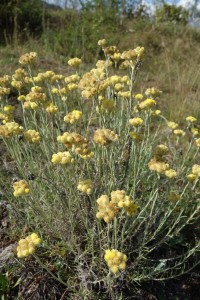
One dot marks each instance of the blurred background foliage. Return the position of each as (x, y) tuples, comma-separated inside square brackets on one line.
[(58, 32), (74, 27)]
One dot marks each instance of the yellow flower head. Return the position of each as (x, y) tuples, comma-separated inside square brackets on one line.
[(17, 84), (170, 173), (8, 108), (85, 186), (74, 78), (28, 245), (191, 119), (110, 50), (4, 91), (71, 139), (21, 188), (115, 260), (102, 42), (62, 158), (74, 62), (172, 125), (195, 132), (139, 97), (84, 151), (103, 64), (105, 137), (73, 116), (28, 58), (123, 201), (179, 132), (147, 104), (158, 166), (107, 209), (10, 129), (196, 170), (136, 122), (51, 108), (32, 136), (197, 142), (156, 112), (116, 56), (191, 177), (153, 92)]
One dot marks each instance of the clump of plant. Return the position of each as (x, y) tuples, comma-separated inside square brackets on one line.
[(104, 179)]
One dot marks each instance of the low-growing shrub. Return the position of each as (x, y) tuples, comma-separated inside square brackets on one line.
[(107, 182)]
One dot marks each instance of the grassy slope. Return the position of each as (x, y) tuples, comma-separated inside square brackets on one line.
[(172, 61)]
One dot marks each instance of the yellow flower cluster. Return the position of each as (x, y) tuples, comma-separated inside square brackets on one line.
[(105, 137), (73, 116), (102, 64), (136, 122), (107, 209), (147, 104), (115, 260), (133, 55), (19, 75), (28, 58), (21, 188), (102, 42), (123, 201), (156, 112), (154, 92), (191, 119), (74, 62), (28, 245), (195, 132), (74, 78), (158, 166), (85, 186), (191, 177), (7, 113), (32, 136), (179, 132), (139, 97), (197, 142), (5, 80), (70, 139), (195, 173), (170, 173), (10, 129), (111, 50), (44, 77), (78, 144), (51, 108), (4, 91), (33, 99), (172, 125), (196, 170), (62, 158)]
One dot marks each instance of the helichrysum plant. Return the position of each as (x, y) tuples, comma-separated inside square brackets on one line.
[(106, 182)]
